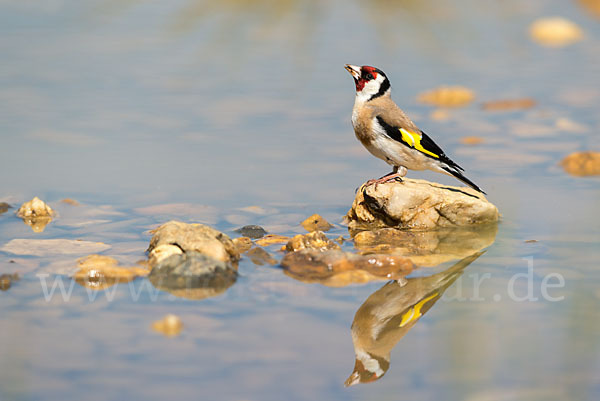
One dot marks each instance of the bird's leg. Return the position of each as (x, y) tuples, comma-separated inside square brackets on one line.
[(396, 175)]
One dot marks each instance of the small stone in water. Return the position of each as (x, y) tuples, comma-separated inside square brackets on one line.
[(582, 164), (555, 32), (252, 231), (170, 325), (509, 104), (316, 223), (242, 244), (36, 214), (70, 201), (6, 280), (271, 239), (4, 207), (447, 96), (314, 240), (471, 140)]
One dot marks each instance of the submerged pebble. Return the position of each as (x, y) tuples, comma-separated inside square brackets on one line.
[(509, 104), (271, 239), (170, 325)]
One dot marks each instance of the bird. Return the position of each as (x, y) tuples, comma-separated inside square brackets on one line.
[(389, 313), (387, 133)]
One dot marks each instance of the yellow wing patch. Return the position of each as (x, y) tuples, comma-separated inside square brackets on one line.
[(414, 313), (414, 141)]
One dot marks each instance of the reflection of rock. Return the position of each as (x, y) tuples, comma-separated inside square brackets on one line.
[(313, 240), (99, 272), (36, 214), (192, 260), (260, 257), (336, 268), (316, 223), (6, 280), (195, 237), (389, 313), (582, 164), (193, 275), (418, 204), (170, 325), (427, 248)]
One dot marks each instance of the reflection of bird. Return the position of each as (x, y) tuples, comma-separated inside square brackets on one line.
[(386, 132), (389, 313)]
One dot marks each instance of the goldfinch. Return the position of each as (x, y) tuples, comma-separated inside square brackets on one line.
[(383, 128)]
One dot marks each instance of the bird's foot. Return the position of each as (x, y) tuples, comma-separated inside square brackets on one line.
[(394, 177)]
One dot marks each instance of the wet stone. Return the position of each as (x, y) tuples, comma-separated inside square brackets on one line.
[(315, 240), (193, 275), (555, 32), (316, 223), (337, 268), (418, 204), (6, 280), (252, 231), (195, 238)]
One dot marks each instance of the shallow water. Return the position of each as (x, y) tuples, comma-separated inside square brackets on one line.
[(190, 110)]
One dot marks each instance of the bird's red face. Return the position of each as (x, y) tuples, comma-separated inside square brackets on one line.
[(362, 75)]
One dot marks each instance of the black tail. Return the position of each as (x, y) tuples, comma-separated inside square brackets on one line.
[(457, 174)]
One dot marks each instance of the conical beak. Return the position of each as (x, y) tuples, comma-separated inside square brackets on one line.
[(354, 70)]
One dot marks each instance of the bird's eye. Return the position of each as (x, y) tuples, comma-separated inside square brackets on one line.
[(369, 77)]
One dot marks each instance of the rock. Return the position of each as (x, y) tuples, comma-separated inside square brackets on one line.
[(6, 280), (471, 140), (260, 257), (195, 237), (242, 244), (336, 268), (36, 214), (582, 164), (70, 201), (418, 204), (427, 248), (170, 325), (203, 265), (314, 240), (252, 231), (316, 223), (272, 239), (509, 104), (193, 275), (47, 247), (447, 96), (4, 207), (99, 272), (555, 32)]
